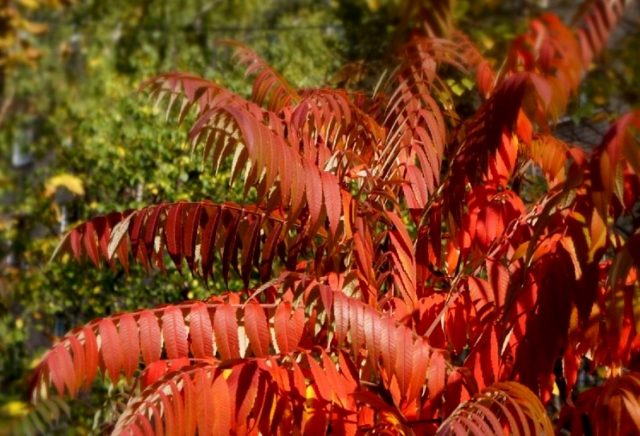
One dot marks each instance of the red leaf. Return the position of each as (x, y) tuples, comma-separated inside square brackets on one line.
[(404, 359), (371, 329), (150, 228), (524, 129), (455, 393), (90, 243), (178, 407), (150, 339), (288, 324), (296, 187), (484, 359), (173, 233), (208, 239), (222, 406), (341, 316), (200, 331), (190, 232), (225, 326), (456, 325), (571, 365), (332, 200), (356, 321), (204, 402), (320, 380), (257, 328), (75, 238), (103, 232), (136, 227), (269, 251), (110, 347), (250, 241), (171, 425), (313, 192), (90, 354), (499, 278), (79, 364), (388, 342), (336, 380), (157, 420), (61, 370), (436, 376), (229, 253), (153, 372), (419, 368), (190, 400), (128, 330), (174, 333)]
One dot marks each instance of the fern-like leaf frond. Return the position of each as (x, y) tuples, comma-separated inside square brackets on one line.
[(243, 238), (219, 330), (269, 87), (502, 408), (597, 21), (613, 408), (266, 395)]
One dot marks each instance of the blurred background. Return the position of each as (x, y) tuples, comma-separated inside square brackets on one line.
[(77, 140)]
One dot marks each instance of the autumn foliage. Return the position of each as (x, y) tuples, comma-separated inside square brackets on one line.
[(396, 276)]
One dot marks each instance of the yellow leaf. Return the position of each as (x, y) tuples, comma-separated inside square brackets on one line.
[(72, 183), (597, 234), (29, 4), (310, 393), (95, 62), (487, 42), (373, 5), (599, 100), (521, 251), (33, 27), (15, 408)]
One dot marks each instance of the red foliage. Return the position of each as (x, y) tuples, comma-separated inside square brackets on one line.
[(401, 281)]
